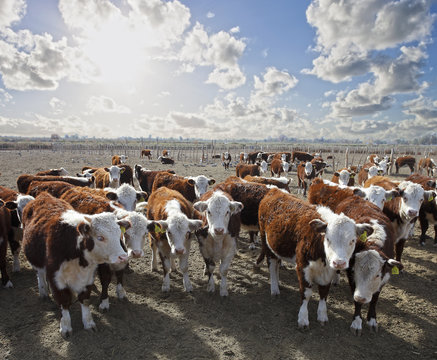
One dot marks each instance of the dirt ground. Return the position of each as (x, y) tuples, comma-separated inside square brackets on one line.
[(249, 324)]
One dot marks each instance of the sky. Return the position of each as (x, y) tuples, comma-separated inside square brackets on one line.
[(228, 69)]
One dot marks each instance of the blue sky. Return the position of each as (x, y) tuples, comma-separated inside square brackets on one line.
[(219, 69)]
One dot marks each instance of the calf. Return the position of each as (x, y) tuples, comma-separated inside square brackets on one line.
[(409, 161), (404, 210), (281, 183), (428, 210), (298, 156), (65, 247), (242, 170), (345, 177), (147, 177), (319, 164), (126, 175), (318, 240), (146, 152), (262, 167), (23, 181), (53, 172), (172, 237), (108, 177), (428, 164), (305, 172), (372, 261), (218, 243), (367, 172), (165, 153), (226, 159), (277, 167), (243, 157), (373, 158), (118, 159), (191, 188), (166, 160)]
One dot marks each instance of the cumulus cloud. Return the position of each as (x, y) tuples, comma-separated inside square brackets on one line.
[(210, 15), (187, 120), (5, 97), (11, 11), (104, 104), (235, 30), (57, 105), (227, 78)]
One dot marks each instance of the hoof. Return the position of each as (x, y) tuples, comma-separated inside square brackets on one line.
[(66, 334), (356, 332)]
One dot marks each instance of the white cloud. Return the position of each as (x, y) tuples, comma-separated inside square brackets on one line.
[(227, 78), (210, 15), (104, 104), (57, 105), (5, 97), (235, 30), (265, 53), (187, 120), (11, 11)]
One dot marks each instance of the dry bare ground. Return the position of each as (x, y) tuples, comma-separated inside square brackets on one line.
[(249, 324)]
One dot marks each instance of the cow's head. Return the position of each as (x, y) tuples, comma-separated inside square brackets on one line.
[(19, 204), (308, 168), (101, 237), (373, 171), (343, 177), (218, 209), (340, 236), (114, 175), (372, 270), (285, 165), (126, 195), (263, 166), (376, 194), (201, 184), (383, 165), (412, 197), (284, 157)]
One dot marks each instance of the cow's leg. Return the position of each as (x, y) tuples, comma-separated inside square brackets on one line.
[(357, 323), (399, 249), (305, 295), (371, 314), (224, 266), (87, 318), (435, 235), (65, 323), (166, 266), (105, 274), (264, 249), (5, 277), (43, 288), (183, 265), (63, 298), (322, 311), (252, 235), (154, 265), (423, 227), (209, 270), (15, 246), (273, 265), (121, 293)]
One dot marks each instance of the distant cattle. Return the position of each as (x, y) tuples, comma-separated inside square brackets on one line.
[(244, 157), (147, 177), (253, 157), (373, 158), (65, 248), (298, 156), (428, 164), (409, 161), (165, 153), (242, 170), (226, 159), (53, 172), (146, 152), (305, 173), (166, 160), (278, 166), (118, 159)]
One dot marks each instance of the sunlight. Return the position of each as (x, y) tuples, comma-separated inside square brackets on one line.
[(117, 51)]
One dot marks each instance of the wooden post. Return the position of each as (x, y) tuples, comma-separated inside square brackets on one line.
[(346, 158)]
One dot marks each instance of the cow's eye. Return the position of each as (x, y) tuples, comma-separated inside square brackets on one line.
[(227, 212), (209, 212), (377, 276), (100, 238)]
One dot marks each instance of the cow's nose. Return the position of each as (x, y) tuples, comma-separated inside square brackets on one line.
[(136, 253), (219, 231), (179, 251), (412, 213), (122, 258), (359, 299), (339, 264)]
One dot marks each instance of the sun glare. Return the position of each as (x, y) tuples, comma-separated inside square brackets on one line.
[(117, 51)]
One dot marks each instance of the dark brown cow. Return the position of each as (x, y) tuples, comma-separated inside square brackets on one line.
[(319, 240), (23, 181), (226, 159), (174, 182), (372, 261), (281, 183), (242, 170), (54, 188), (5, 229), (428, 210), (126, 176), (298, 156), (65, 248), (147, 177), (53, 172), (253, 157), (276, 167), (409, 161), (172, 237), (428, 164), (146, 152), (319, 164), (166, 160)]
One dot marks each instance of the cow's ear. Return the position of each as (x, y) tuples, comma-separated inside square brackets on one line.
[(142, 196), (318, 225), (236, 207), (366, 169), (336, 173), (124, 224), (111, 195), (361, 228), (392, 263), (429, 195), (84, 228), (191, 182), (359, 193), (193, 225), (1, 203), (201, 206), (121, 170), (106, 169), (11, 205), (211, 181), (431, 183), (391, 194)]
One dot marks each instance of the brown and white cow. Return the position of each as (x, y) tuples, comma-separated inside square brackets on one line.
[(428, 210), (191, 188), (244, 158), (428, 164), (165, 153), (373, 158), (278, 166), (65, 247), (118, 159), (108, 177), (368, 171), (319, 164), (345, 177), (305, 173), (226, 159), (146, 152), (23, 181), (242, 170), (253, 157), (166, 160), (147, 177), (172, 237), (319, 241), (218, 240), (373, 260), (402, 161), (281, 183), (53, 172), (403, 210), (298, 156)]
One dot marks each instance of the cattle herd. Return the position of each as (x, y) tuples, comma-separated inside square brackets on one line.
[(73, 228)]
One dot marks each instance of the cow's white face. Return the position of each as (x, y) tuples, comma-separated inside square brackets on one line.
[(218, 210), (114, 174), (412, 197), (264, 166), (382, 166), (245, 156), (105, 230), (126, 195), (178, 230), (123, 158), (226, 155), (22, 201), (373, 171), (201, 184), (340, 234), (135, 236), (308, 168), (343, 177), (378, 195), (285, 165), (283, 157), (371, 272)]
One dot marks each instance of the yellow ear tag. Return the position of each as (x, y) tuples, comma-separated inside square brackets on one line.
[(363, 236), (142, 199), (431, 198), (123, 229), (395, 270), (158, 229), (391, 197)]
